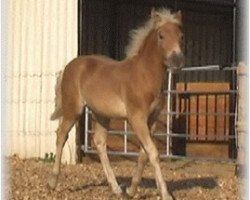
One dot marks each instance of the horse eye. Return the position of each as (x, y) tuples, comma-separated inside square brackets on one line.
[(161, 36)]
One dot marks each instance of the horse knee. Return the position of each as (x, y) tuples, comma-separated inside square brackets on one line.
[(143, 157), (153, 155), (63, 131), (60, 140), (99, 141), (61, 135)]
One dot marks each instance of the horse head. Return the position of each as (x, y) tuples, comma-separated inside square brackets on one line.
[(170, 37)]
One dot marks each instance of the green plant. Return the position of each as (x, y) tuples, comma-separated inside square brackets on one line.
[(49, 157)]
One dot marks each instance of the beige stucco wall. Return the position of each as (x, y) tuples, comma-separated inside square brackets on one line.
[(42, 38)]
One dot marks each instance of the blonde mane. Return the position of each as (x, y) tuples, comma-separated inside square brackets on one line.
[(137, 36)]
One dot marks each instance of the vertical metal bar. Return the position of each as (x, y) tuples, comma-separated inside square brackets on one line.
[(235, 99), (234, 34), (126, 136), (80, 26), (225, 116), (168, 113), (188, 118), (216, 116), (206, 124), (197, 130), (86, 129)]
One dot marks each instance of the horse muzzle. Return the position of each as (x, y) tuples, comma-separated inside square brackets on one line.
[(175, 61)]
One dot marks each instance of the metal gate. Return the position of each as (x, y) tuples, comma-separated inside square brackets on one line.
[(175, 98)]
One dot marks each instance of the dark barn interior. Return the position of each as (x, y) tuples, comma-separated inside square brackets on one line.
[(210, 39)]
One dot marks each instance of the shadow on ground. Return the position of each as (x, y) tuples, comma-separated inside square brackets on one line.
[(204, 182)]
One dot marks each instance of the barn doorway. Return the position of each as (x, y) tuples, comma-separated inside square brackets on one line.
[(209, 29)]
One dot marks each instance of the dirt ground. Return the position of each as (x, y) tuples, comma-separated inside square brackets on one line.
[(186, 180)]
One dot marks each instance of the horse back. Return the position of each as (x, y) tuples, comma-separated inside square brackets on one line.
[(99, 82)]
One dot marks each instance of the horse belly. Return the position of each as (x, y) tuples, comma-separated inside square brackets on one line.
[(109, 108)]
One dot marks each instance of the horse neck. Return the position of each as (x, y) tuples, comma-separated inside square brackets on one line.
[(151, 60), (150, 54)]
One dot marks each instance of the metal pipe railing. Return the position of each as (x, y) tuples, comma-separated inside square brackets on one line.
[(164, 134), (168, 116), (169, 113), (164, 156)]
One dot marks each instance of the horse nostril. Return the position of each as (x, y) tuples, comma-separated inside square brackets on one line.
[(182, 57), (176, 60)]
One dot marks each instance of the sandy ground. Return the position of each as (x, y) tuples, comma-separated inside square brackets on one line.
[(186, 180)]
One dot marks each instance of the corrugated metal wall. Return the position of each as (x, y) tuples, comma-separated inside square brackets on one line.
[(207, 26), (42, 38)]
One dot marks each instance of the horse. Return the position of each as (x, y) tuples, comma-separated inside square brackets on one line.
[(130, 89)]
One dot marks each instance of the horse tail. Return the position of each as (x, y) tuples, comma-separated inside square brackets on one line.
[(58, 112)]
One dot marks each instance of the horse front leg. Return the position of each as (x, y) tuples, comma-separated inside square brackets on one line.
[(138, 171), (137, 174), (100, 138), (140, 126), (143, 157)]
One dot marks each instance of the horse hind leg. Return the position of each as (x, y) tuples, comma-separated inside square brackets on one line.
[(62, 136), (71, 104), (100, 137), (72, 112)]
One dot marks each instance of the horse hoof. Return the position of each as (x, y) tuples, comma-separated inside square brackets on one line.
[(129, 193), (121, 194), (52, 183), (124, 196), (168, 198)]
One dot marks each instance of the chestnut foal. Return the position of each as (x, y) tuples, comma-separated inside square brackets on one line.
[(130, 89)]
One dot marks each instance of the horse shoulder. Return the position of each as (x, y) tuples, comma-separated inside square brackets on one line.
[(141, 95)]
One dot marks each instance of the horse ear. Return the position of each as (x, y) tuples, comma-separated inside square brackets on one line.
[(155, 15), (152, 11), (178, 16)]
